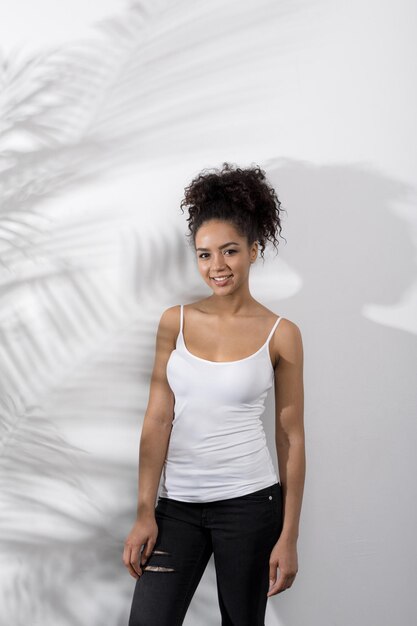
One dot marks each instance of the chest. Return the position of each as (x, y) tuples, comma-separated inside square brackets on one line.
[(238, 383)]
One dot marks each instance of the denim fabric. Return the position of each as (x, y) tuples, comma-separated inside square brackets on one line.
[(240, 532)]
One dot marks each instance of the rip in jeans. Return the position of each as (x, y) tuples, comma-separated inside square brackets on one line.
[(159, 568)]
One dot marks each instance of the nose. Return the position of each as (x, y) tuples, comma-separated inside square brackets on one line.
[(218, 264)]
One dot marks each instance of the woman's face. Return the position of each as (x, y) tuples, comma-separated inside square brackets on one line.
[(221, 251)]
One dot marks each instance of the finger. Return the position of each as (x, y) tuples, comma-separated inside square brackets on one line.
[(147, 551), (273, 573), (130, 549), (126, 560), (273, 567), (283, 583), (129, 559), (134, 561), (133, 572), (276, 585)]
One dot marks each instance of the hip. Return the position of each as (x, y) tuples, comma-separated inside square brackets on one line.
[(258, 510)]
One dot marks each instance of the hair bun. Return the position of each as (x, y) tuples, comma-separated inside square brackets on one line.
[(243, 196)]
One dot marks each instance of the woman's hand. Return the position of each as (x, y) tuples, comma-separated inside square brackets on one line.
[(284, 556), (144, 533)]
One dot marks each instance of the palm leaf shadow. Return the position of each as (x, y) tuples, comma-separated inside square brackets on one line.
[(67, 336)]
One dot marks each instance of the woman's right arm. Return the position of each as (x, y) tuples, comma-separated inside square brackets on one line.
[(156, 431)]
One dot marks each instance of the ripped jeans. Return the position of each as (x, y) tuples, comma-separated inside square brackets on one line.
[(240, 532)]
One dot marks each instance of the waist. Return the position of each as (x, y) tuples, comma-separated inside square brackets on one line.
[(206, 478)]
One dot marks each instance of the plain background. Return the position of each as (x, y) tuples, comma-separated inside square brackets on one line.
[(108, 110)]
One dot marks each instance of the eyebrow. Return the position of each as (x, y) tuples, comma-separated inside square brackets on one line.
[(229, 243)]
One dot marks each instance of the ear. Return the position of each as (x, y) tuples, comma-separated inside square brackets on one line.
[(254, 252)]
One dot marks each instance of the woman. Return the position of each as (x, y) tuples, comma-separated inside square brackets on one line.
[(215, 361)]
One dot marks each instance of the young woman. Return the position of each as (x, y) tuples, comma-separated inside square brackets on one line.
[(215, 361)]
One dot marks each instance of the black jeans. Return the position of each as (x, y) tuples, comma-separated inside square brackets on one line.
[(241, 533)]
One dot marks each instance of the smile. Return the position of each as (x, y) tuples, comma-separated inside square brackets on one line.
[(221, 279)]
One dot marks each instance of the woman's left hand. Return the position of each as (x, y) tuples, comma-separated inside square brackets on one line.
[(284, 556)]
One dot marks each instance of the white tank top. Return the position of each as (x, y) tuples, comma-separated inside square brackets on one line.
[(217, 447)]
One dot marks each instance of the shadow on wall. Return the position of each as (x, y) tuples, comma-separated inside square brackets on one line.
[(351, 249), (76, 359)]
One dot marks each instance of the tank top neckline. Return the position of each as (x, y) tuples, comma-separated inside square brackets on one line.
[(246, 358)]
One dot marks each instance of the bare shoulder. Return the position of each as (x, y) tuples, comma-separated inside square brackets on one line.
[(170, 316), (161, 399), (287, 342), (289, 328), (170, 319)]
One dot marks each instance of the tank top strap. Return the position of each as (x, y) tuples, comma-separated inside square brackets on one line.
[(180, 335), (277, 321), (181, 318)]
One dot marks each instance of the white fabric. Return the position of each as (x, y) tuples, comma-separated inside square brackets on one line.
[(217, 448)]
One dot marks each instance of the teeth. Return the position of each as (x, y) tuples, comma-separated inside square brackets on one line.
[(221, 279)]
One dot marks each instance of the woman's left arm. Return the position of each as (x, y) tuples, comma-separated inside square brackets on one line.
[(290, 446)]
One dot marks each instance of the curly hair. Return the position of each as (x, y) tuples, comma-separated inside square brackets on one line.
[(241, 196)]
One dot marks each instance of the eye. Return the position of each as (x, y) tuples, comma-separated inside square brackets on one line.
[(202, 255)]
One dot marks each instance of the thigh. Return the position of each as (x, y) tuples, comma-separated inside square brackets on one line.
[(172, 573), (244, 531)]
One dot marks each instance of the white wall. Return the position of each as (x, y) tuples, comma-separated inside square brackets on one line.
[(102, 127)]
